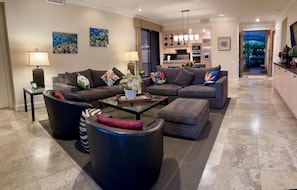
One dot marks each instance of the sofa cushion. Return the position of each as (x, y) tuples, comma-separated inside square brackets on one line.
[(211, 77), (70, 78), (184, 78), (165, 89), (109, 77), (200, 73), (58, 94), (96, 78), (94, 94), (120, 123), (113, 90), (83, 82), (197, 91), (170, 73)]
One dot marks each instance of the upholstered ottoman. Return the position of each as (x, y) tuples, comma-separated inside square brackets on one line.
[(185, 117)]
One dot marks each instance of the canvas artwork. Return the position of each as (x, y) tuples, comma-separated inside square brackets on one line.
[(64, 43), (99, 37), (224, 43)]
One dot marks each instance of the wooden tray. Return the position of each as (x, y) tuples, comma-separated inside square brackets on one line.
[(139, 98)]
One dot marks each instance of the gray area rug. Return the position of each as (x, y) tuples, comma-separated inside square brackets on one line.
[(183, 161)]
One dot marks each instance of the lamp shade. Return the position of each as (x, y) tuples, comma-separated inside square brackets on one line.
[(37, 58), (131, 56)]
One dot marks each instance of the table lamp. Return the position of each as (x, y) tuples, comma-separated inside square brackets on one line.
[(38, 58), (131, 56)]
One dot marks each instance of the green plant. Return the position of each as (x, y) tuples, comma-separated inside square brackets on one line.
[(131, 82)]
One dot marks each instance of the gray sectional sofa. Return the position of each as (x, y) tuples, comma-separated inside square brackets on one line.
[(66, 82), (188, 82)]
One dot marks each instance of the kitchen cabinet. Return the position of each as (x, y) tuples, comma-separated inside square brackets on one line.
[(285, 83)]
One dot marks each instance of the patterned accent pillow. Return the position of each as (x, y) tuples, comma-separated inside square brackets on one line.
[(109, 78), (83, 82), (158, 77), (120, 123), (82, 126), (211, 77)]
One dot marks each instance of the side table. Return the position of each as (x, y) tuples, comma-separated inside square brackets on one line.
[(32, 93)]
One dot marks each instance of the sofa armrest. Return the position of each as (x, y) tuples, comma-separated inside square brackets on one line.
[(221, 86), (64, 87), (146, 81)]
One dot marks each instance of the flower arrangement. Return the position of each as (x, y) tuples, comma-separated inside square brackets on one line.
[(131, 82), (189, 63), (33, 85)]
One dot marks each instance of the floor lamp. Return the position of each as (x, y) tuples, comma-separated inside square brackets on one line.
[(38, 58), (131, 56)]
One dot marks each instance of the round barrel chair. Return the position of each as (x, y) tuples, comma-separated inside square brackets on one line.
[(123, 158)]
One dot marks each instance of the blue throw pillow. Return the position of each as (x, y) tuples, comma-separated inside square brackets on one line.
[(211, 77)]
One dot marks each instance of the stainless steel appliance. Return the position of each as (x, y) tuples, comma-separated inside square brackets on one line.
[(196, 52)]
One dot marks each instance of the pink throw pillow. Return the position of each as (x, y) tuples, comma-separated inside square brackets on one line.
[(58, 94), (120, 123)]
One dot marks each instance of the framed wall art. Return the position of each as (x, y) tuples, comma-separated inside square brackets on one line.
[(64, 43), (99, 37), (224, 43)]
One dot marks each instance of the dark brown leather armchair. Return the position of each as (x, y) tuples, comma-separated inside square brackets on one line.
[(63, 115), (125, 159)]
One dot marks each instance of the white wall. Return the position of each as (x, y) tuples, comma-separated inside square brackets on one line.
[(227, 59), (292, 18), (31, 23)]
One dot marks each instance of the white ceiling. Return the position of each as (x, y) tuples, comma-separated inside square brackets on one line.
[(168, 12)]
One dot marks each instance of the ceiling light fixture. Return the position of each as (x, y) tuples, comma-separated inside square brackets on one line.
[(257, 20), (185, 36)]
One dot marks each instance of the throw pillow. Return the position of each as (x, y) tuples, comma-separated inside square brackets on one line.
[(159, 78), (184, 78), (211, 77), (118, 73), (82, 126), (120, 123), (109, 78), (58, 94), (83, 82)]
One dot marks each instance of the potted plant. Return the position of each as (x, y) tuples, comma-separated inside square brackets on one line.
[(131, 84)]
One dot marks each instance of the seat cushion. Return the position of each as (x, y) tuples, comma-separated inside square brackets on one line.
[(164, 89), (197, 91)]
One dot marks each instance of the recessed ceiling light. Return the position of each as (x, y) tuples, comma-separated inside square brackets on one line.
[(204, 30), (139, 9), (257, 20), (221, 14)]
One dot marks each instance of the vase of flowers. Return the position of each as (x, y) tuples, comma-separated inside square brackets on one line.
[(131, 84), (188, 63)]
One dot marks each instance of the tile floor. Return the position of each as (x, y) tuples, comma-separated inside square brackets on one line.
[(256, 147)]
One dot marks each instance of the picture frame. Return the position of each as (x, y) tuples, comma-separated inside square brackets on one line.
[(99, 37), (206, 53), (224, 43), (64, 43)]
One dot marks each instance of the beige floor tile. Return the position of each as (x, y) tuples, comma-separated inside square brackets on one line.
[(278, 180)]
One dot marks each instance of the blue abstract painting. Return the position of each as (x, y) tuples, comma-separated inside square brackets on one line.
[(64, 43), (99, 37)]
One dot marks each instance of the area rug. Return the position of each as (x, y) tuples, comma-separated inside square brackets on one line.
[(183, 161)]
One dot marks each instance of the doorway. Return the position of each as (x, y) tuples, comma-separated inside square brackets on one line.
[(254, 52)]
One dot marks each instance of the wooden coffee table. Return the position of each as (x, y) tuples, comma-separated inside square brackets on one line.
[(136, 107)]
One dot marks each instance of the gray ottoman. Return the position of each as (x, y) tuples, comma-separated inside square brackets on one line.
[(185, 117)]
